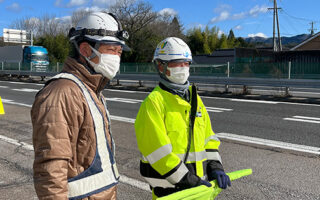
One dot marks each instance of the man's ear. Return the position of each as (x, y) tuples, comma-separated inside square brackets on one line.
[(85, 49)]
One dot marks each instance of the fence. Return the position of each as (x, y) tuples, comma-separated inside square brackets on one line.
[(29, 67), (242, 70)]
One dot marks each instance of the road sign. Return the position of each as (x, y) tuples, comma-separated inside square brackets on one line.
[(15, 36)]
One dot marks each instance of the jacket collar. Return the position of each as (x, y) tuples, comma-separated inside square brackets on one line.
[(95, 81), (174, 97)]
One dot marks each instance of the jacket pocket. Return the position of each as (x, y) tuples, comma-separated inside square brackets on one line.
[(177, 131)]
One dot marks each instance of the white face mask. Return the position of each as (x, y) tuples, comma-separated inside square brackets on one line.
[(178, 75), (108, 65)]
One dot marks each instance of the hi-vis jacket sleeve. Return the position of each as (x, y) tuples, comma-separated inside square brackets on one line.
[(154, 144), (212, 144), (52, 129)]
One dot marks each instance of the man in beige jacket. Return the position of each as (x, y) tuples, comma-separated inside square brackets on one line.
[(73, 145)]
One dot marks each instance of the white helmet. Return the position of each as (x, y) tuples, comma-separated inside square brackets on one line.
[(100, 27), (172, 48)]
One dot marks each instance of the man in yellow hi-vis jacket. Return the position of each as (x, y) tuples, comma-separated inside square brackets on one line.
[(173, 129)]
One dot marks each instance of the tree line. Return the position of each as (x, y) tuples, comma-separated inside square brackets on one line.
[(145, 26)]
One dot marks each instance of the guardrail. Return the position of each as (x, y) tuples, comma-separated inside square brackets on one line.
[(225, 74)]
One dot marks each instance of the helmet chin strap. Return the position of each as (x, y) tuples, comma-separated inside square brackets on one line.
[(93, 54), (165, 68), (87, 64)]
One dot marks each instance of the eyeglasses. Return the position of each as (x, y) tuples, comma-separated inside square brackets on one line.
[(179, 64), (110, 48)]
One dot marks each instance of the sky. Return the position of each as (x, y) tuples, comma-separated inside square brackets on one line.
[(246, 18)]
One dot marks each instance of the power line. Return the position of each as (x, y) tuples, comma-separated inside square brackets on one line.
[(299, 18), (291, 24)]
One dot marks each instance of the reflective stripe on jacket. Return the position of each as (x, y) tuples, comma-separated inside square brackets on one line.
[(162, 129), (64, 137), (102, 173)]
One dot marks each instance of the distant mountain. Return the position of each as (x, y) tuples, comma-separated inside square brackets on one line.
[(286, 41)]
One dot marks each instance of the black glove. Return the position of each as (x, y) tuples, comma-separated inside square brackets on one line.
[(191, 180), (221, 177), (206, 183)]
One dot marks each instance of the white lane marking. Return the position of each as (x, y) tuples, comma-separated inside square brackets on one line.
[(113, 117), (124, 100), (124, 179), (16, 142), (253, 140), (26, 90), (126, 91), (254, 101), (304, 119), (8, 101), (215, 111), (230, 136), (129, 81), (304, 92), (300, 104), (4, 86), (272, 102), (22, 83), (218, 110), (136, 183), (270, 143), (122, 119), (205, 97)]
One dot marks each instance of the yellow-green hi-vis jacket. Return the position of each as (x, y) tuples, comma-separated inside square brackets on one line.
[(162, 129)]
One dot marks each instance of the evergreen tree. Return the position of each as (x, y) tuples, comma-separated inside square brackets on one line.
[(206, 47), (231, 39), (223, 43), (195, 41), (176, 28), (231, 35), (57, 46), (213, 39)]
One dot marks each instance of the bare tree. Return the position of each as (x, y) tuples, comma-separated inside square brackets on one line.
[(77, 15), (137, 18), (25, 23), (45, 25), (134, 15)]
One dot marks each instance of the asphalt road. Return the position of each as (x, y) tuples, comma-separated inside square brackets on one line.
[(278, 173)]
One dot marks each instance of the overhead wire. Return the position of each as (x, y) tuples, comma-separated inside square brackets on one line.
[(293, 25)]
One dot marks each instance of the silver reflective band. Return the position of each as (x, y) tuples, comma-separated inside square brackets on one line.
[(178, 175), (194, 156), (109, 124), (212, 137), (159, 153), (109, 173), (205, 177), (144, 159), (156, 182), (214, 156)]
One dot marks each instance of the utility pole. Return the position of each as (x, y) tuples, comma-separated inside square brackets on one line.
[(277, 46), (312, 29), (31, 38)]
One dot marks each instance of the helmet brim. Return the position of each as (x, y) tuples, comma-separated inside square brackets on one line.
[(123, 45), (109, 40)]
